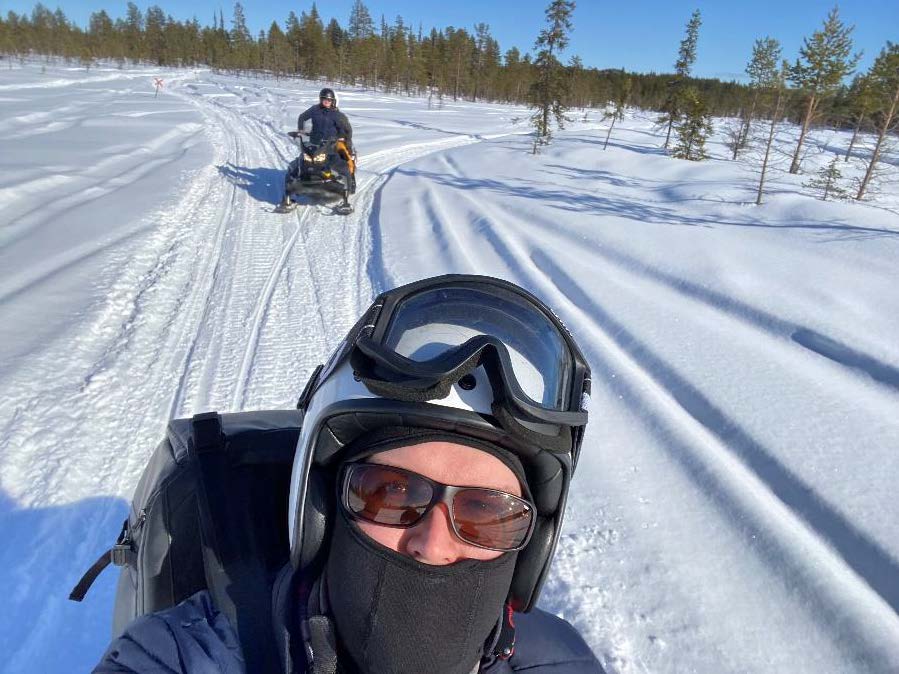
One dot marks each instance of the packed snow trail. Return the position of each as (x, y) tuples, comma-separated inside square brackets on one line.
[(733, 509)]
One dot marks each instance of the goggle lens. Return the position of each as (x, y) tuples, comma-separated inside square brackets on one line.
[(431, 322), (486, 518)]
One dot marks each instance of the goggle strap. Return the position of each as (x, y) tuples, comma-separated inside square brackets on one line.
[(561, 442), (422, 389), (400, 366), (408, 391)]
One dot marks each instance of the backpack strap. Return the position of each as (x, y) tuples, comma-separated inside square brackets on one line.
[(120, 554), (235, 578)]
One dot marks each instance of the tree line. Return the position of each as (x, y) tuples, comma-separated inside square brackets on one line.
[(457, 63)]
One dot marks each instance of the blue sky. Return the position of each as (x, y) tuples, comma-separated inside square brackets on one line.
[(640, 35)]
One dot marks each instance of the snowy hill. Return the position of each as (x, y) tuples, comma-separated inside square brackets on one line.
[(734, 509)]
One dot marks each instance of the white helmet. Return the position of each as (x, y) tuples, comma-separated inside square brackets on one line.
[(468, 355)]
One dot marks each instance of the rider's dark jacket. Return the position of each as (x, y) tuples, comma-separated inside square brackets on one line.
[(195, 638), (327, 123)]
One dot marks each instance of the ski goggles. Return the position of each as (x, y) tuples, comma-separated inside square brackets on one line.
[(393, 497), (425, 337)]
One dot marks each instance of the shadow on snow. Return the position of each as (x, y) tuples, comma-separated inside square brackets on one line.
[(44, 553), (634, 210), (860, 552), (264, 183)]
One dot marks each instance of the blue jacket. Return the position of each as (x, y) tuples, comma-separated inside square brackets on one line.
[(326, 123), (195, 638)]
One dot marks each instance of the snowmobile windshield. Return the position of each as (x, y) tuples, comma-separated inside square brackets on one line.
[(433, 336)]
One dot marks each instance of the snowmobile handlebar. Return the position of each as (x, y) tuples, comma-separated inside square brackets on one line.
[(303, 134)]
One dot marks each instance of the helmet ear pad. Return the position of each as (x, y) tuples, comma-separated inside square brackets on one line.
[(546, 479), (318, 512), (531, 566)]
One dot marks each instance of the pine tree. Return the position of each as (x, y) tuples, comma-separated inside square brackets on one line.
[(62, 35), (779, 104), (337, 39), (511, 80), (396, 57), (576, 85), (314, 43), (102, 34), (241, 40), (549, 90), (294, 35), (685, 58), (733, 133), (154, 35), (363, 51), (361, 24), (827, 179), (823, 64), (9, 35), (279, 49), (762, 71), (693, 127), (461, 48), (133, 31), (885, 81), (622, 95), (479, 65), (863, 101)]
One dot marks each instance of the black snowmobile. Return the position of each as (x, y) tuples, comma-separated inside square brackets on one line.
[(328, 168)]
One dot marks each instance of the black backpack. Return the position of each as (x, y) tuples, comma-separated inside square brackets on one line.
[(210, 512)]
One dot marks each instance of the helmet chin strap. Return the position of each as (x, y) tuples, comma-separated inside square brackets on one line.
[(318, 632)]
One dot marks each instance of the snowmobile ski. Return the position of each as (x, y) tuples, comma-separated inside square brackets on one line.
[(286, 206)]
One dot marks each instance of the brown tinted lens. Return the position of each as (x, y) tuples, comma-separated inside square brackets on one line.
[(382, 495), (491, 518)]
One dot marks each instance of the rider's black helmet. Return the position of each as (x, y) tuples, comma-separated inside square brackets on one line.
[(328, 94)]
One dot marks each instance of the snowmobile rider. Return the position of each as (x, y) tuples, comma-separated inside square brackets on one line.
[(426, 499), (327, 123)]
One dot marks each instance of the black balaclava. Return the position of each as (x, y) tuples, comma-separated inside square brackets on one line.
[(395, 615)]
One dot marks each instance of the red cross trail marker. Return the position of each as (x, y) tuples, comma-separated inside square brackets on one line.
[(158, 82)]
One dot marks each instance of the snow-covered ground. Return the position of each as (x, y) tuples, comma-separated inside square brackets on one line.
[(734, 509)]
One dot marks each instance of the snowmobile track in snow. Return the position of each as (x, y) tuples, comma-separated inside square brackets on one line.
[(853, 547), (261, 310), (756, 492), (832, 564)]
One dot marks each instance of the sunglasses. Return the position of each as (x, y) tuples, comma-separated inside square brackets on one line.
[(393, 497)]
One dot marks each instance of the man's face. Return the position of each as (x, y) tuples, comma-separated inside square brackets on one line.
[(432, 541), (326, 102)]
